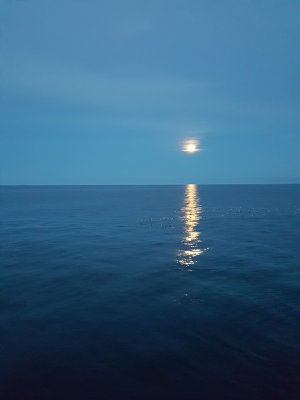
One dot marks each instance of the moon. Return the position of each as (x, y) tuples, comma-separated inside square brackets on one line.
[(191, 146)]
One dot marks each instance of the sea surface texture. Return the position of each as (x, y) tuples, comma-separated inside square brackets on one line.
[(150, 292)]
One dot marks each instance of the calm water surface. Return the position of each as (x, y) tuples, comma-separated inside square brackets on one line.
[(150, 292)]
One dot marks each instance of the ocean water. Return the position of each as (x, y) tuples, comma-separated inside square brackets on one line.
[(150, 292)]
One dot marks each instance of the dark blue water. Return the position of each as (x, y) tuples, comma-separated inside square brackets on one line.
[(168, 292)]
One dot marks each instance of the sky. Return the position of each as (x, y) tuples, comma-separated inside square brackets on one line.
[(105, 92)]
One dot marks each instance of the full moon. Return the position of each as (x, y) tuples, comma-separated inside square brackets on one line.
[(191, 146)]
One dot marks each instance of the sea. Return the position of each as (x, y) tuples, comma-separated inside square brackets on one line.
[(150, 292)]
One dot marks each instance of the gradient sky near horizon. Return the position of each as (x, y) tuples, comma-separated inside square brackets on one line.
[(104, 92)]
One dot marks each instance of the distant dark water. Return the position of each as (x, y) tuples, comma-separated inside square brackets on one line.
[(175, 292)]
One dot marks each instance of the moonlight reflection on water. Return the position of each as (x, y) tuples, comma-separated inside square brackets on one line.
[(191, 216)]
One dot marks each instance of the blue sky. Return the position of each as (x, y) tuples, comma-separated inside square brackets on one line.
[(104, 92)]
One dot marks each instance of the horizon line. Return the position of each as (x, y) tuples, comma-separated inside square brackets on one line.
[(149, 184)]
